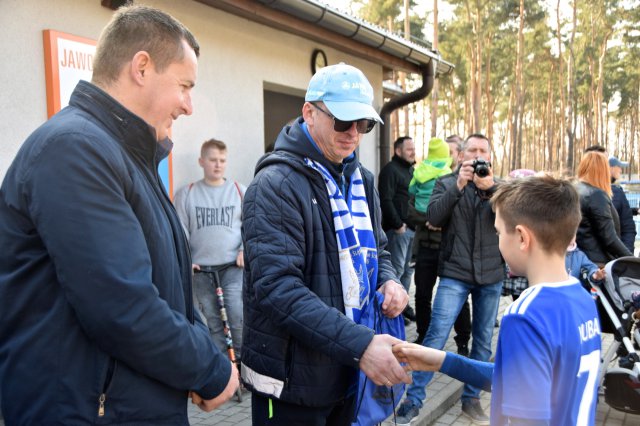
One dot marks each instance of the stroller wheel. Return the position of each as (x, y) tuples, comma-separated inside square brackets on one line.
[(620, 390)]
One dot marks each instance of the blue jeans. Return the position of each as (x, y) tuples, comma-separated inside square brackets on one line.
[(399, 246), (204, 292), (450, 297)]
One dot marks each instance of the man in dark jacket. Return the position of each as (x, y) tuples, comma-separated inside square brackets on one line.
[(393, 185), (426, 248), (98, 324), (469, 263), (302, 348), (621, 204)]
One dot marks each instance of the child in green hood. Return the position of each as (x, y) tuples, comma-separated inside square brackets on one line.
[(437, 163)]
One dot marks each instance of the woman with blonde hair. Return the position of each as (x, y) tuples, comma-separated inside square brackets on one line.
[(599, 231)]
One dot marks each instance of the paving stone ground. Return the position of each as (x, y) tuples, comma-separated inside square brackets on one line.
[(442, 407)]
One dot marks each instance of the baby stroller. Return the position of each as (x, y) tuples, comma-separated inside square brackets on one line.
[(620, 382)]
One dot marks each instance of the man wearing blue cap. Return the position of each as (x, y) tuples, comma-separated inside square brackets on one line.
[(314, 248), (620, 202)]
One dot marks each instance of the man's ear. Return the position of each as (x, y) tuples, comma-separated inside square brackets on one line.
[(307, 115), (140, 65)]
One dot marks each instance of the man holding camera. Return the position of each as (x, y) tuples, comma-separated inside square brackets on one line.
[(469, 263)]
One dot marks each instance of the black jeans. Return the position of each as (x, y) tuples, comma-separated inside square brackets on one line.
[(426, 274), (276, 412)]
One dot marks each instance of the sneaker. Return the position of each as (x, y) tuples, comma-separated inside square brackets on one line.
[(409, 313), (496, 324), (474, 411), (407, 411), (463, 350)]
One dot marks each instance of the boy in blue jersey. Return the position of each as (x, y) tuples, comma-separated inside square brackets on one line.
[(548, 353)]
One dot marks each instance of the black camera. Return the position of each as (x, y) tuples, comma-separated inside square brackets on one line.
[(481, 167)]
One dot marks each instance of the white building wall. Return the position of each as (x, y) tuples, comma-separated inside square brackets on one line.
[(237, 58)]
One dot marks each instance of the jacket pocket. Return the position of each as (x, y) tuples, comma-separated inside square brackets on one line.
[(289, 363)]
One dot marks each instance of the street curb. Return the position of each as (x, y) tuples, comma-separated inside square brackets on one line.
[(439, 404)]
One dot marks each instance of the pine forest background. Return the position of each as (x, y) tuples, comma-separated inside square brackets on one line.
[(542, 79)]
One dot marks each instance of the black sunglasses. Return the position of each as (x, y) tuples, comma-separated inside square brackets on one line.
[(364, 125)]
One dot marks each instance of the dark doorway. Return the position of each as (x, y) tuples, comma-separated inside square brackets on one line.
[(281, 105)]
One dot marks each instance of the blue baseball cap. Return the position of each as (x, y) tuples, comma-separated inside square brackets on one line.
[(345, 91), (614, 162)]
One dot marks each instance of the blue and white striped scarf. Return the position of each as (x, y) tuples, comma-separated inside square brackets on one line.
[(357, 248)]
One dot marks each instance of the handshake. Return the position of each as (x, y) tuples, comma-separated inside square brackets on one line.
[(388, 360)]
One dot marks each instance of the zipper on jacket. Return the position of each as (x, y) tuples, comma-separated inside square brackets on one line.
[(101, 400), (111, 369), (179, 235)]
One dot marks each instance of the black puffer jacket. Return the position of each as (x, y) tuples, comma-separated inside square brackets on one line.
[(393, 184), (298, 344), (469, 248), (597, 236), (627, 225)]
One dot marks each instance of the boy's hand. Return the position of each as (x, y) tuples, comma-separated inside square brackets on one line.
[(418, 357), (599, 275)]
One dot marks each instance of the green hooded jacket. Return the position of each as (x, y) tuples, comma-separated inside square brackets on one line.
[(424, 179)]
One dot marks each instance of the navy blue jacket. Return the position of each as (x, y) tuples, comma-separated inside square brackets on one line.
[(298, 344), (627, 225), (95, 278)]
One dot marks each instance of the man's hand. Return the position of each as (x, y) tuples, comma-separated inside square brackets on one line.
[(431, 227), (465, 175), (402, 229), (379, 364), (484, 183), (240, 259), (418, 357), (395, 298), (195, 267), (210, 404)]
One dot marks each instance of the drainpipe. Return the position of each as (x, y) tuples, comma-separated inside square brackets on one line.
[(428, 78)]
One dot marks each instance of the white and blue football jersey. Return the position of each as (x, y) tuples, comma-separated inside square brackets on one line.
[(548, 355)]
